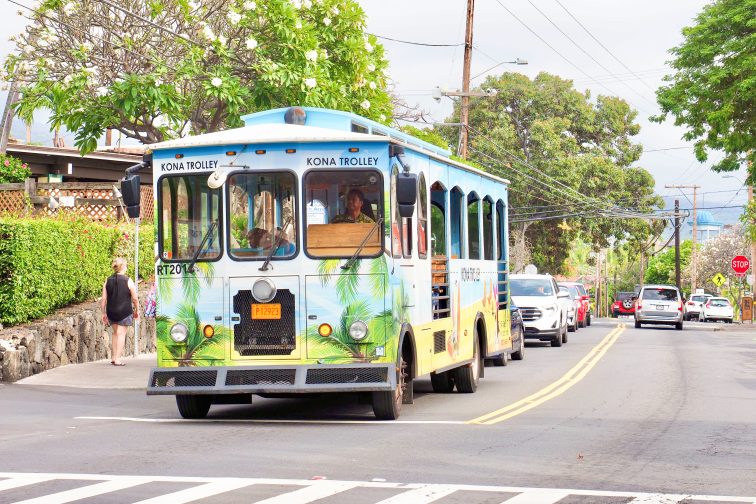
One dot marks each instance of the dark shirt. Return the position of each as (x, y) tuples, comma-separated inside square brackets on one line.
[(119, 298)]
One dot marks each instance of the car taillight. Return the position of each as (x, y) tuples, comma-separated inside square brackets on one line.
[(680, 308), (691, 303), (638, 305), (708, 305)]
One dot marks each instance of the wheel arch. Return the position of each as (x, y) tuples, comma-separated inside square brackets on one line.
[(407, 337), (482, 333)]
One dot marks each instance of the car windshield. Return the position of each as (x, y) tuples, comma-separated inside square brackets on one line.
[(531, 287), (720, 303), (581, 289), (699, 298), (660, 294)]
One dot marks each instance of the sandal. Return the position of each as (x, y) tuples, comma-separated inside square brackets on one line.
[(118, 363)]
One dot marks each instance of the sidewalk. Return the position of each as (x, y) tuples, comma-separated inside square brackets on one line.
[(98, 375)]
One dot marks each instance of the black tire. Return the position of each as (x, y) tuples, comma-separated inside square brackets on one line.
[(520, 353), (442, 383), (193, 406), (572, 328), (588, 319), (500, 360), (679, 326), (637, 324), (564, 335), (387, 404), (556, 341), (468, 376)]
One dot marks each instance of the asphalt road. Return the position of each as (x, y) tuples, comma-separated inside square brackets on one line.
[(615, 409)]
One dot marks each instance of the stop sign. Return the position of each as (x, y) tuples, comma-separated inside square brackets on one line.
[(740, 264)]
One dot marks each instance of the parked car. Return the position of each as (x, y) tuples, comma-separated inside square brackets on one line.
[(572, 305), (693, 306), (582, 311), (585, 298), (717, 308), (624, 304), (659, 304), (543, 314)]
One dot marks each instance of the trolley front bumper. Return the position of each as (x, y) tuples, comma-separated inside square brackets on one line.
[(272, 379)]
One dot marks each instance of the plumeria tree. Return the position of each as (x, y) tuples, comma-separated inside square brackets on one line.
[(715, 256), (166, 68)]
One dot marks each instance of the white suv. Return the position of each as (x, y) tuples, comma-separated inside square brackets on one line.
[(543, 315)]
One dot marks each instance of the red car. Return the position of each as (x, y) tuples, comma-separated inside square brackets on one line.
[(583, 317), (624, 304)]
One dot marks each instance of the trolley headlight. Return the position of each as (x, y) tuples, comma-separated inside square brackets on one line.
[(264, 290), (179, 333), (358, 330)]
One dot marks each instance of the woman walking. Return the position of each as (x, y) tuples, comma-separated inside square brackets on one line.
[(120, 307)]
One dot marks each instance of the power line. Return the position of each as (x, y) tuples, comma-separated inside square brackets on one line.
[(409, 42), (145, 20), (602, 45), (669, 148), (586, 52)]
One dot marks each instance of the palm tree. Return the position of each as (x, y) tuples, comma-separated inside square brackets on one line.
[(339, 343), (196, 350)]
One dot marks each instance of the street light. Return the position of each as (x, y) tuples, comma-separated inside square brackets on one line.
[(517, 61)]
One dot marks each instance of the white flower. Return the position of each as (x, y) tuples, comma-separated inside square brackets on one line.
[(101, 91), (87, 46), (298, 25), (335, 10), (28, 49), (327, 21), (311, 82), (192, 5), (297, 4), (365, 104), (158, 82), (221, 39), (372, 85), (67, 79), (325, 54), (306, 4), (382, 118), (371, 68), (217, 81), (311, 55), (208, 32), (69, 8), (251, 43), (249, 5), (234, 17), (368, 47)]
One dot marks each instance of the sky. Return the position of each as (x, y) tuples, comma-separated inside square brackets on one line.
[(639, 33)]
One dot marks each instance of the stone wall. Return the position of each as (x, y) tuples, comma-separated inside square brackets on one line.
[(71, 335)]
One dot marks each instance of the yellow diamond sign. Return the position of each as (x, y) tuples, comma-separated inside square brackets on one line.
[(718, 279)]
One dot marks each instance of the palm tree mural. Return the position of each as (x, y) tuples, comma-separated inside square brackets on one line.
[(197, 350), (339, 343), (190, 283)]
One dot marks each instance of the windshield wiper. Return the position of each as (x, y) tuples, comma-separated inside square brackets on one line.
[(351, 260), (276, 246), (201, 247)]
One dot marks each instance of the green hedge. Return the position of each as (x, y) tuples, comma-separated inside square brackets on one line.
[(49, 263)]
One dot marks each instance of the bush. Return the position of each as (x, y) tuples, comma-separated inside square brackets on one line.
[(49, 263), (12, 170)]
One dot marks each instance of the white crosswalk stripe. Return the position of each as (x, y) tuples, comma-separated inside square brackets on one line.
[(307, 491)]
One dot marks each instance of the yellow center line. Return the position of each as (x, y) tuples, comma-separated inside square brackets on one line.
[(570, 378)]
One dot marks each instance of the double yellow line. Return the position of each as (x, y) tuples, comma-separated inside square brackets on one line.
[(557, 388)]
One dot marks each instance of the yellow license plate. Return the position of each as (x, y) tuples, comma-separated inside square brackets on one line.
[(270, 311)]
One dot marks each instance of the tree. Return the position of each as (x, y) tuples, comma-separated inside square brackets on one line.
[(712, 91), (534, 129), (715, 256), (661, 267), (166, 68)]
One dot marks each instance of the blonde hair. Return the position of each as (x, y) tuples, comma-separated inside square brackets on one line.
[(119, 265)]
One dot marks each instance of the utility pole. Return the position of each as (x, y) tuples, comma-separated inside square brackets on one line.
[(598, 283), (753, 243), (694, 255), (677, 243), (464, 110)]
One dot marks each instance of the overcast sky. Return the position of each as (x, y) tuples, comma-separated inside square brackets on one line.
[(639, 33)]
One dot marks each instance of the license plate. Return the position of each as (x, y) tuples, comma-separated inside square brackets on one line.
[(270, 311), (661, 307)]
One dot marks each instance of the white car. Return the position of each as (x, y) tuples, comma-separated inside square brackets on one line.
[(544, 314), (717, 308), (693, 306), (571, 305)]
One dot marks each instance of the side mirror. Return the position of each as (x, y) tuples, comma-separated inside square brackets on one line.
[(563, 295), (130, 189), (406, 193)]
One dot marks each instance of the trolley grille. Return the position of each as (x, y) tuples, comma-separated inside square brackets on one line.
[(194, 378), (346, 375), (264, 337), (261, 377)]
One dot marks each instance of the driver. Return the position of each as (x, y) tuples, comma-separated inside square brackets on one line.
[(354, 202)]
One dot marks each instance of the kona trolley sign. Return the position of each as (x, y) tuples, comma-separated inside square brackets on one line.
[(740, 264)]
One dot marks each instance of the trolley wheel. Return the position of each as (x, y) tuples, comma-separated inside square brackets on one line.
[(467, 377), (194, 406), (387, 404), (443, 382)]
